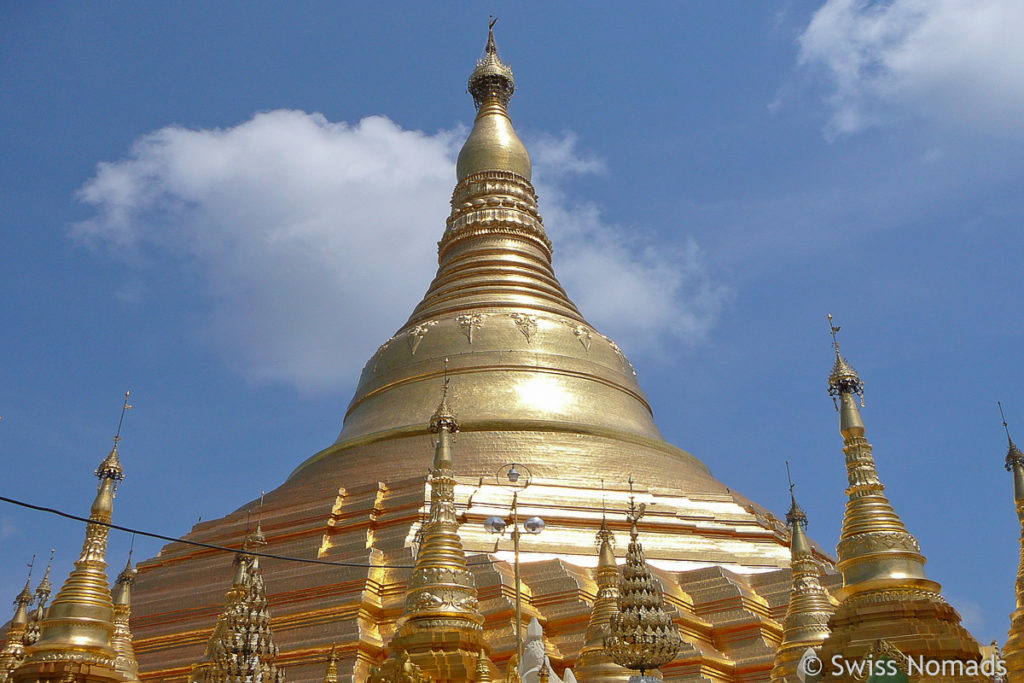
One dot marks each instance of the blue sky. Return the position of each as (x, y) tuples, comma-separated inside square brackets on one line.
[(227, 207)]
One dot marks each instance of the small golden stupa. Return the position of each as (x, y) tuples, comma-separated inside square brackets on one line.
[(885, 596), (75, 642)]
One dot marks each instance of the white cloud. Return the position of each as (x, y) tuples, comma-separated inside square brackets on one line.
[(314, 240), (952, 61)]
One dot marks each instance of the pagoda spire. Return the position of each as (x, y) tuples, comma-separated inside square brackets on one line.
[(1014, 650), (242, 647), (76, 631), (12, 652), (594, 663), (495, 251), (42, 596), (809, 609), (125, 663), (643, 635), (885, 594), (440, 630)]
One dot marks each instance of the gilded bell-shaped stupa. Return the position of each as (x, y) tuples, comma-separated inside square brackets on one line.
[(886, 595), (537, 384)]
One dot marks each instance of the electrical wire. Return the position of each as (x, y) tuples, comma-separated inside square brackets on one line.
[(212, 546)]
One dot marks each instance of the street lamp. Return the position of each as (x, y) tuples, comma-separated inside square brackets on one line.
[(531, 525)]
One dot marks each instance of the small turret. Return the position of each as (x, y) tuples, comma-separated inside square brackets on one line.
[(809, 609), (594, 663), (42, 596), (12, 652), (125, 663)]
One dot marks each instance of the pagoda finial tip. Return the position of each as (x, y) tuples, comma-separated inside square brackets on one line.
[(492, 79), (796, 515), (1013, 454), (843, 379), (110, 467), (443, 417)]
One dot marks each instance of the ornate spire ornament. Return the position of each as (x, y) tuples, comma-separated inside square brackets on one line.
[(12, 652), (643, 635), (76, 631), (331, 673), (809, 609), (241, 648), (1014, 650), (885, 592), (125, 663), (440, 629), (42, 596), (594, 663)]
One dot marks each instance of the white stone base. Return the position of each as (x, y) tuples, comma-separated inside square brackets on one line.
[(644, 679)]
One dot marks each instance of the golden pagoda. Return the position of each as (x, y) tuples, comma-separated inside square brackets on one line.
[(12, 652), (74, 642), (1013, 653), (886, 595), (537, 384), (806, 622)]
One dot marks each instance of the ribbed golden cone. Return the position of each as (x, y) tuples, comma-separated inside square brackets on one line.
[(809, 609)]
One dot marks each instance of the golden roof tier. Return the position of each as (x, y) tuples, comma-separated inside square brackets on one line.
[(538, 385), (886, 595)]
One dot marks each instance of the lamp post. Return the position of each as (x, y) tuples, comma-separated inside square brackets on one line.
[(513, 472)]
